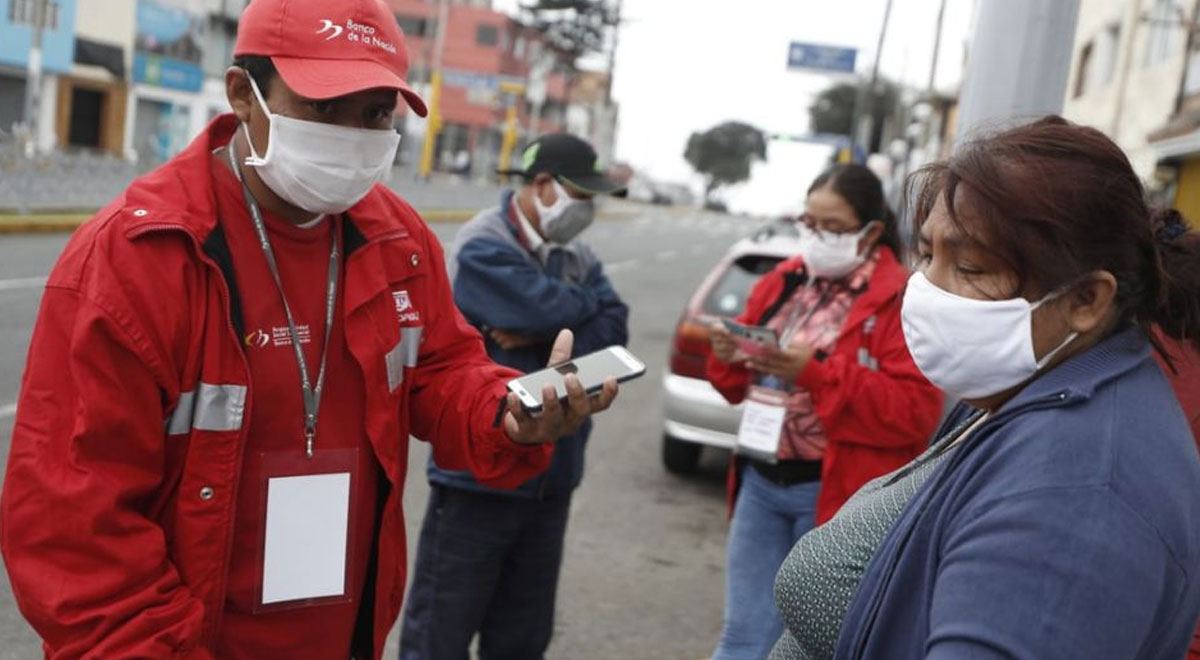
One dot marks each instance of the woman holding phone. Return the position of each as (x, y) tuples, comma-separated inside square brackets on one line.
[(855, 406)]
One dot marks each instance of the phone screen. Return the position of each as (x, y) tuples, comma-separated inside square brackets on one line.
[(591, 370)]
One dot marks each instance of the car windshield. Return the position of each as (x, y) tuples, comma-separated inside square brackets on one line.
[(728, 296)]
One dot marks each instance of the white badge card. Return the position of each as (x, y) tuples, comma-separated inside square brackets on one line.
[(307, 523), (761, 429)]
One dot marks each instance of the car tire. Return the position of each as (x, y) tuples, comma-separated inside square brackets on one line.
[(680, 457)]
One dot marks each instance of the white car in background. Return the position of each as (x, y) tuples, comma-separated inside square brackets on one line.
[(695, 415)]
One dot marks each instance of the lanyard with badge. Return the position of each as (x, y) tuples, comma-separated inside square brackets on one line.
[(306, 495), (765, 410)]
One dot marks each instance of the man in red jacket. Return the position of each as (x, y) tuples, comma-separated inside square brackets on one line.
[(211, 442)]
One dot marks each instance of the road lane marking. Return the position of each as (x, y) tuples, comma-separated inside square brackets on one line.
[(619, 266), (667, 255), (8, 411), (23, 283), (699, 248)]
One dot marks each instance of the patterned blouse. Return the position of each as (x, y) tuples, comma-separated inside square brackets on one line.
[(814, 316), (821, 574)]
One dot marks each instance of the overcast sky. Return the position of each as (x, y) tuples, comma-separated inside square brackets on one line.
[(686, 65)]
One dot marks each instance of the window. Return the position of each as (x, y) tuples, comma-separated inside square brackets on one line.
[(519, 48), (24, 12), (1164, 29), (414, 26), (487, 35), (1191, 82), (1107, 47), (1084, 72)]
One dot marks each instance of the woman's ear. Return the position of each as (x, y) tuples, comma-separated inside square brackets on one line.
[(1091, 304)]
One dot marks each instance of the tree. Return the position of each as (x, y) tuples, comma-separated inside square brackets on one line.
[(724, 153), (833, 109), (577, 27)]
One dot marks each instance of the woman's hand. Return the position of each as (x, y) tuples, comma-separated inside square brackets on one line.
[(783, 363), (724, 346)]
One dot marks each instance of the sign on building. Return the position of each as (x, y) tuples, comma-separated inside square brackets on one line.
[(169, 46), (815, 57)]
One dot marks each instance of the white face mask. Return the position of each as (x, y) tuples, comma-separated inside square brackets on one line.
[(971, 349), (831, 256), (321, 168), (566, 218)]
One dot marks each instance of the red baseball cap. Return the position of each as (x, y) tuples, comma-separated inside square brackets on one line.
[(328, 48)]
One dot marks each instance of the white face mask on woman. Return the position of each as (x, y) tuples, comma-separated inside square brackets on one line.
[(321, 168), (972, 349), (831, 256)]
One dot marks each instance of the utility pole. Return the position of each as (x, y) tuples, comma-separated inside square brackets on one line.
[(33, 79), (937, 49), (433, 123), (1019, 61), (863, 123)]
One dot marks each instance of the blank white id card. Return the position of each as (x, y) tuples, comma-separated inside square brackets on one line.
[(306, 537), (763, 415)]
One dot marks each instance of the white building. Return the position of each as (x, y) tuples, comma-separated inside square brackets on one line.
[(1127, 71)]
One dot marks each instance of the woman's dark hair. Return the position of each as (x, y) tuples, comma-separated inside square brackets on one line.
[(863, 191), (260, 68), (1055, 201)]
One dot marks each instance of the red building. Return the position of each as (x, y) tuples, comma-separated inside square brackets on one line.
[(487, 60)]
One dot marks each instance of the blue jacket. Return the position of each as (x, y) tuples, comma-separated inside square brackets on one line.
[(1067, 526), (499, 283)]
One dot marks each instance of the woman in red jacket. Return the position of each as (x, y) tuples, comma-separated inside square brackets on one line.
[(854, 405)]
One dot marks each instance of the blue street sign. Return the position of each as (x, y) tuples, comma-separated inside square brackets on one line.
[(833, 59)]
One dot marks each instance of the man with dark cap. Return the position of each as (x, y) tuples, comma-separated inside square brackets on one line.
[(488, 560)]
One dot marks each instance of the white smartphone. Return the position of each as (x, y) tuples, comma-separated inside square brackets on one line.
[(592, 370)]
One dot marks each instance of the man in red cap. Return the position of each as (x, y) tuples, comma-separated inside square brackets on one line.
[(211, 442)]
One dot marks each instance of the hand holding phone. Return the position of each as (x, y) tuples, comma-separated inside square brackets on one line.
[(752, 340), (564, 402)]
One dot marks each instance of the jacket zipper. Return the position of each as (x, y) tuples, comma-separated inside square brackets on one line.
[(894, 559)]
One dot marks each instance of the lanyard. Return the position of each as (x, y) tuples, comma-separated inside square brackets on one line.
[(312, 396)]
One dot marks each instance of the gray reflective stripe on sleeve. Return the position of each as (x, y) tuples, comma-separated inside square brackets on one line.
[(209, 408), (404, 354)]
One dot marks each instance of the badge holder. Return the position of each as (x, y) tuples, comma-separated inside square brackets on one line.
[(306, 548), (763, 415)]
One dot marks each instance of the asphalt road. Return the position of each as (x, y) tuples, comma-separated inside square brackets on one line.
[(643, 572)]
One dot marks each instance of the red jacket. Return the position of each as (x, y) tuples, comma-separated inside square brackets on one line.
[(876, 420), (118, 500), (1186, 380)]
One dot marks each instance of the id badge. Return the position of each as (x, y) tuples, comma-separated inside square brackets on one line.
[(306, 550), (761, 429)]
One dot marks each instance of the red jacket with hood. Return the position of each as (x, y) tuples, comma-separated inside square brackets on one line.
[(117, 511), (878, 412)]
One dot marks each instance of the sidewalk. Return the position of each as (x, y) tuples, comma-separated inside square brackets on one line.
[(443, 199), (439, 200)]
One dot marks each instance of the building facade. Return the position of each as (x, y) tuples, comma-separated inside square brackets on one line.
[(1128, 64), (139, 78)]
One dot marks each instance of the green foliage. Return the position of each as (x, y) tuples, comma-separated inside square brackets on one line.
[(833, 109), (724, 153)]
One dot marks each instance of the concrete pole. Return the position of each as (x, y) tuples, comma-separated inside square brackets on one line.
[(33, 80), (1018, 62)]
